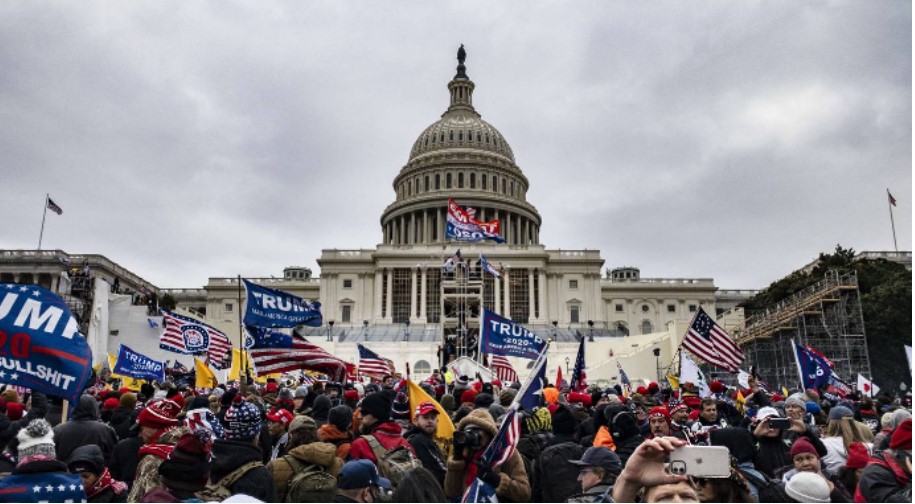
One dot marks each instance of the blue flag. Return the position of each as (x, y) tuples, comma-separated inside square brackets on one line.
[(501, 336), (42, 487), (814, 370), (531, 393), (137, 365), (478, 491), (260, 337), (489, 268), (40, 344), (268, 307)]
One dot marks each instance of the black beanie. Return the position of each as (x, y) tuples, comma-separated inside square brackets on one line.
[(341, 417), (623, 427), (483, 400), (378, 405), (564, 422)]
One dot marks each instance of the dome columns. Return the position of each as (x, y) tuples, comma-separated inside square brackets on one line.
[(426, 226)]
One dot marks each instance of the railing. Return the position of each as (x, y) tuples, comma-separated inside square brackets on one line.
[(708, 282)]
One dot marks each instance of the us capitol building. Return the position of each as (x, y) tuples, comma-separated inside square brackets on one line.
[(397, 300)]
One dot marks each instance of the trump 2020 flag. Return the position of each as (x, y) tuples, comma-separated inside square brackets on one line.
[(40, 344), (137, 365), (502, 336), (461, 225), (813, 369), (266, 307)]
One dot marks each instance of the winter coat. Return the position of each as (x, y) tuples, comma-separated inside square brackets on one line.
[(884, 480), (147, 476), (121, 421), (323, 454), (342, 440), (388, 434), (428, 452), (124, 460), (27, 483), (9, 428), (84, 428), (836, 453), (556, 479), (603, 438), (597, 493), (514, 485), (320, 409), (229, 456)]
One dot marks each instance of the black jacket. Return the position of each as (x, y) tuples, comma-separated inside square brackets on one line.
[(229, 456), (125, 459), (121, 420), (84, 428), (881, 484), (429, 453)]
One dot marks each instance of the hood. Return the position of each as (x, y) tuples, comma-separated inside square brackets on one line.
[(321, 408), (88, 453), (323, 454), (480, 418), (86, 409)]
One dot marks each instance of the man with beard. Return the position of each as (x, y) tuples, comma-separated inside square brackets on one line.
[(377, 429), (658, 422), (422, 438)]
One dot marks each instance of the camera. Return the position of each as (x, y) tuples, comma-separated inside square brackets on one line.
[(468, 438)]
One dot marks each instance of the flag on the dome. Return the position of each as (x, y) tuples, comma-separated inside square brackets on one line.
[(708, 341), (370, 364), (460, 226), (185, 335), (503, 369), (890, 196), (489, 268)]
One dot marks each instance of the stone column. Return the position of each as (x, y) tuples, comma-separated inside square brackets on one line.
[(530, 294), (389, 315), (425, 237), (377, 303), (423, 294), (497, 295), (413, 289), (542, 284), (508, 306)]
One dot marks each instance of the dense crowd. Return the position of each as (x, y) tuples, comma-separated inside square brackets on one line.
[(289, 441)]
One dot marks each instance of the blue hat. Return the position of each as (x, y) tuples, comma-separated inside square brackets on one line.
[(360, 474), (242, 421)]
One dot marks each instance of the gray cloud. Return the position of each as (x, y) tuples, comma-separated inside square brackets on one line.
[(733, 141)]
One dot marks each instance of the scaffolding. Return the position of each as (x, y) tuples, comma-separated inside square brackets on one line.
[(826, 316), (461, 309)]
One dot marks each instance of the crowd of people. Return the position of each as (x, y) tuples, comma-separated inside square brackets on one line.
[(297, 441)]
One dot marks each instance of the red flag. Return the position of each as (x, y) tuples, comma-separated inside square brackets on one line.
[(558, 376)]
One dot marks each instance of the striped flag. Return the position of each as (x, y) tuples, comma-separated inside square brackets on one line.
[(275, 352), (371, 364), (503, 369), (708, 341), (54, 207), (185, 335), (503, 444), (624, 379), (579, 377)]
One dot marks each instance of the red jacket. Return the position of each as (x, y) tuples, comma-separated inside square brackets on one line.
[(388, 434)]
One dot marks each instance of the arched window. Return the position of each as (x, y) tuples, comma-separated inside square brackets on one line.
[(461, 180), (422, 367), (483, 181), (495, 184), (438, 182), (447, 181), (503, 185), (646, 327), (473, 180), (427, 183)]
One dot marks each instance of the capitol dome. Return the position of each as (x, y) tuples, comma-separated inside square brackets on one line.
[(460, 156)]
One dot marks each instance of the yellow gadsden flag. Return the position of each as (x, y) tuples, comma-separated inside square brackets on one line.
[(444, 434), (205, 377)]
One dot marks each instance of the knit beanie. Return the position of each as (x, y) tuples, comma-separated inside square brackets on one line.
[(128, 401), (400, 407), (496, 410), (659, 412), (448, 403), (203, 418), (506, 397), (483, 400), (857, 456), (37, 439), (899, 416), (159, 414), (187, 467), (675, 405), (539, 420), (378, 405), (301, 392), (468, 396), (304, 422), (803, 445), (550, 395), (242, 421), (14, 411), (797, 399), (564, 421), (86, 458), (351, 395), (808, 487), (902, 436), (340, 417)]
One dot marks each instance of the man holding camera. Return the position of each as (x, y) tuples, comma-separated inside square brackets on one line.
[(473, 434)]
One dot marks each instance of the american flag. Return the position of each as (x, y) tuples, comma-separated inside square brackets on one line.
[(503, 369), (274, 352), (624, 379), (579, 377), (371, 364), (185, 335), (54, 207), (503, 444), (708, 341)]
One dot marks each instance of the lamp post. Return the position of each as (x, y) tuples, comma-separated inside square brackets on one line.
[(591, 331), (406, 331), (365, 330), (657, 362), (555, 329), (567, 365), (330, 330)]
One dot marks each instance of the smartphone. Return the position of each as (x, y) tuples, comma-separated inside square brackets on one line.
[(779, 423), (700, 461)]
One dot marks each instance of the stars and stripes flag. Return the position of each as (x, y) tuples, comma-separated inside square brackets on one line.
[(54, 207), (500, 449), (371, 364), (274, 352), (708, 341), (185, 335), (624, 379), (503, 369), (579, 377)]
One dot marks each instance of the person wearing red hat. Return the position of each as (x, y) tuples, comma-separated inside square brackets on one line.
[(159, 431), (659, 422), (422, 437), (278, 420), (653, 388), (806, 459), (888, 476), (679, 419), (850, 475), (579, 398), (641, 390)]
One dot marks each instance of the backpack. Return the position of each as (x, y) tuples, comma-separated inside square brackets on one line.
[(394, 464), (309, 483), (559, 478), (769, 490), (219, 491)]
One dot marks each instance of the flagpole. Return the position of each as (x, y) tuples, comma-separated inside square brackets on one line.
[(242, 367), (889, 203), (47, 197)]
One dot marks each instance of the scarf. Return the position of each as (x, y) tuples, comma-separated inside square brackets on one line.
[(472, 468), (104, 482)]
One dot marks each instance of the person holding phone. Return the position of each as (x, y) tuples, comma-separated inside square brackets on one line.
[(646, 475), (774, 452)]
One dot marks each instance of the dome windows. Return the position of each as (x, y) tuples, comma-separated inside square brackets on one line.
[(483, 180), (473, 180), (460, 180)]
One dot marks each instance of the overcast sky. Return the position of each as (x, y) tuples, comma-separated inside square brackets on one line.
[(187, 140)]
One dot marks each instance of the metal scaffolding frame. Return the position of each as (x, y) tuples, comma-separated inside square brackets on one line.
[(826, 316)]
